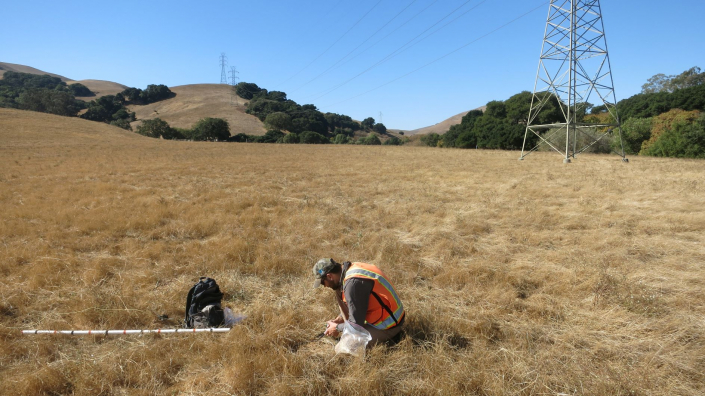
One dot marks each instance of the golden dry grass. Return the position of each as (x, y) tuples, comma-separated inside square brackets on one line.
[(4, 66), (99, 88), (520, 278), (196, 101), (443, 126)]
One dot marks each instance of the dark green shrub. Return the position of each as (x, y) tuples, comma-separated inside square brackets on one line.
[(634, 132), (131, 94), (290, 138), (156, 128), (211, 129), (103, 108), (247, 90), (310, 137), (278, 121), (154, 93), (27, 81), (242, 138), (380, 128), (683, 139), (49, 101), (393, 141), (371, 140), (341, 139), (78, 89), (339, 122), (449, 138), (271, 136), (431, 139), (122, 123)]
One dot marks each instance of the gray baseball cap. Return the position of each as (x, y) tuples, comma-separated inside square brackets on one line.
[(321, 268)]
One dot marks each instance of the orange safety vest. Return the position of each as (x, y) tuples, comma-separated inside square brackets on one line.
[(383, 302)]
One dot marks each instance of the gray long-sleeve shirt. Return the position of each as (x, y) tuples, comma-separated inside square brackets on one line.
[(357, 295)]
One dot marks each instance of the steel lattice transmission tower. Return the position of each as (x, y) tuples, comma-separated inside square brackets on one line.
[(233, 83), (574, 68), (223, 64)]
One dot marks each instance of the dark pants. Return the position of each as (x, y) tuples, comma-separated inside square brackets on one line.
[(380, 336)]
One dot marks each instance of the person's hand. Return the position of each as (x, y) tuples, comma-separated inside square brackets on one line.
[(331, 329)]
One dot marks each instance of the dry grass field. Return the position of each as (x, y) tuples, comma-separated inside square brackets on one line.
[(519, 278)]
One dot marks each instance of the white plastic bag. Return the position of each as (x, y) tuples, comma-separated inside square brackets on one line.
[(354, 340), (230, 319)]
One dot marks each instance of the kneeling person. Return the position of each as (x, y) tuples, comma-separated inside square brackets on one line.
[(365, 296)]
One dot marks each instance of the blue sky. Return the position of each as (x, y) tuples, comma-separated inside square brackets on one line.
[(300, 47)]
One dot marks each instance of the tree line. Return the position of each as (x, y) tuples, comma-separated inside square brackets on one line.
[(42, 93), (666, 119), (47, 94), (286, 122), (289, 122), (218, 130), (500, 126)]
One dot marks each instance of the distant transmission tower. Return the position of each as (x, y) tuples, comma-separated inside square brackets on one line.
[(380, 118), (233, 83), (223, 64), (573, 68)]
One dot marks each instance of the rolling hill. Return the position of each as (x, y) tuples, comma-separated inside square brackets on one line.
[(443, 126), (98, 87), (4, 67), (23, 128), (193, 102)]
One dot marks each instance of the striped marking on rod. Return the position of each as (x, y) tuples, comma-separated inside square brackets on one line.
[(127, 331)]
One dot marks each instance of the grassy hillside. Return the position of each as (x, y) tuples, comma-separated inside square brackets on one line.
[(21, 129), (443, 126), (100, 88), (4, 66), (519, 277), (193, 102)]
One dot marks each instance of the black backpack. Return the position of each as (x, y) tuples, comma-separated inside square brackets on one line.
[(203, 305)]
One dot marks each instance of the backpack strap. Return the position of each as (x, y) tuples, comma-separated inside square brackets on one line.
[(188, 304), (385, 307), (346, 266)]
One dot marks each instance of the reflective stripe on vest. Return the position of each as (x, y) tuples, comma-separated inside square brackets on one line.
[(381, 287)]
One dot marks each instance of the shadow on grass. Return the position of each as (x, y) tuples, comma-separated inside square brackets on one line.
[(424, 333)]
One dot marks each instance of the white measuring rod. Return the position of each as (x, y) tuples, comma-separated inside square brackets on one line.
[(120, 332)]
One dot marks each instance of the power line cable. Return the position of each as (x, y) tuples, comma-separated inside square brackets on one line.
[(320, 29), (404, 47), (331, 10), (355, 49), (444, 56), (393, 31), (332, 45)]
